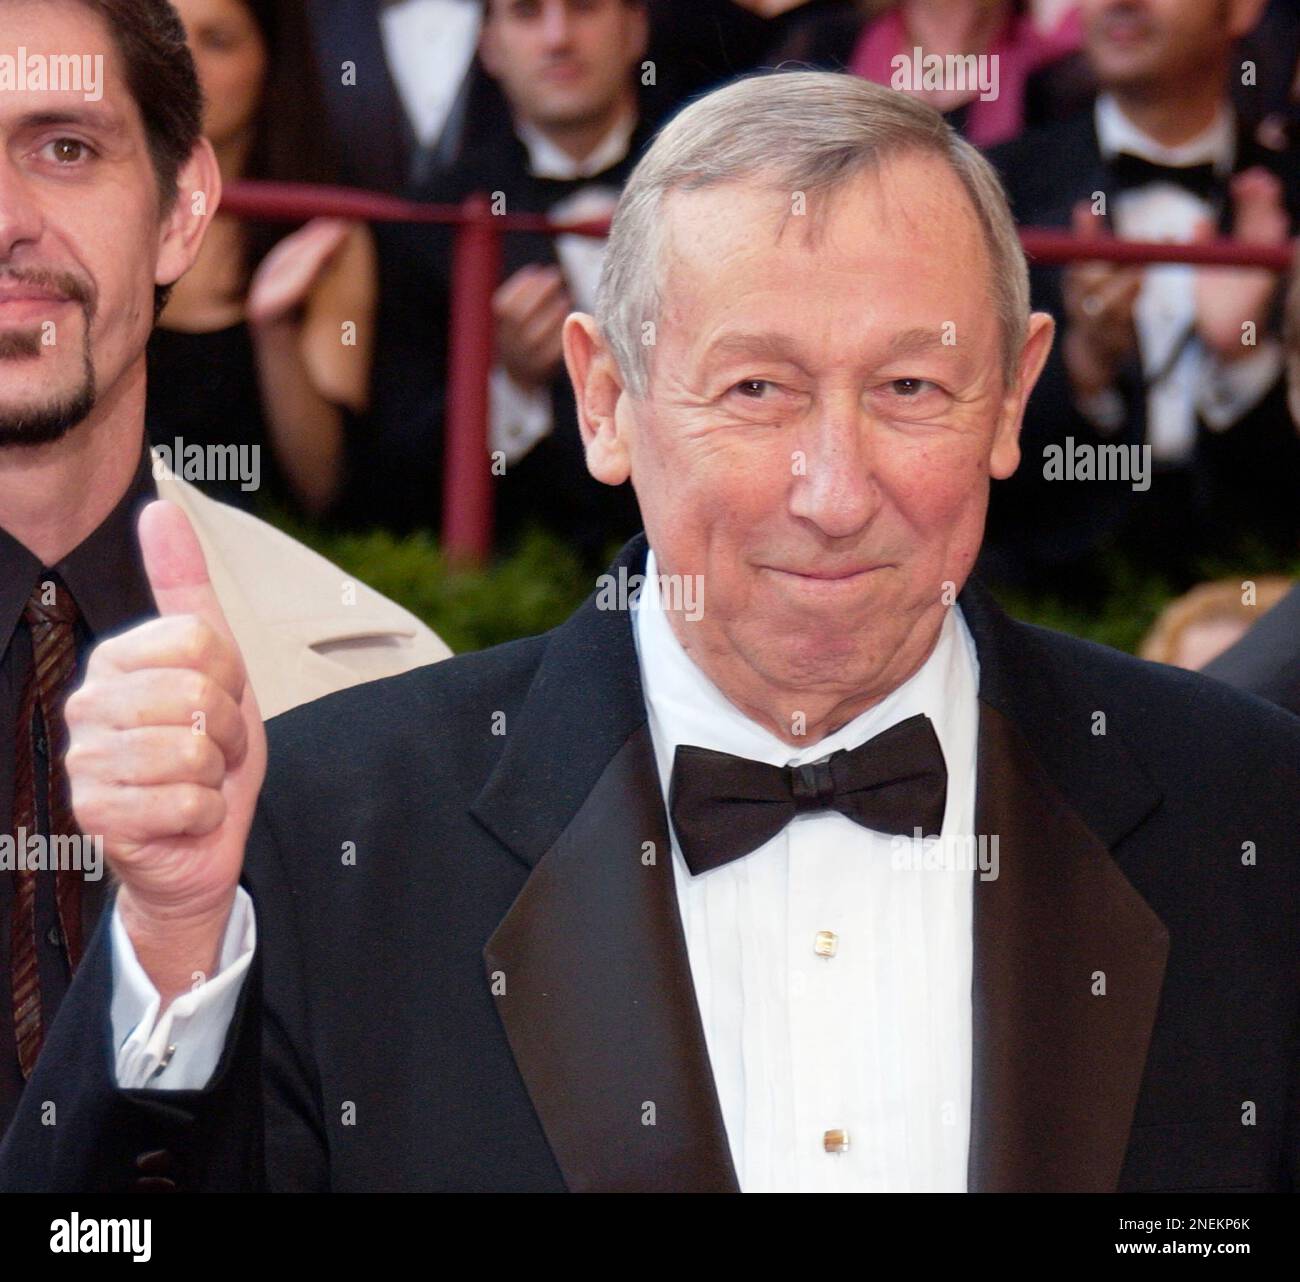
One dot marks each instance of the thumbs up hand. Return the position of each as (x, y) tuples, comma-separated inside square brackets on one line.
[(166, 756)]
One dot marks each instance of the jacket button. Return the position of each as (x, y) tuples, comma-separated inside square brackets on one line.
[(153, 1184), (157, 1161)]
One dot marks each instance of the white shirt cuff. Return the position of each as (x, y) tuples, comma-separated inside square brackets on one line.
[(180, 1051), (1229, 391), (519, 418)]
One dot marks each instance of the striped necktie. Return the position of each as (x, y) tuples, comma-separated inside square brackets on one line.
[(51, 616)]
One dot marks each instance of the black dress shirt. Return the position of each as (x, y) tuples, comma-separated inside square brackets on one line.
[(106, 578)]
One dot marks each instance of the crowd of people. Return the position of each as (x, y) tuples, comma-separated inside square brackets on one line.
[(1162, 120)]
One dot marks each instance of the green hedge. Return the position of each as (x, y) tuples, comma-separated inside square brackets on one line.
[(540, 584), (534, 589)]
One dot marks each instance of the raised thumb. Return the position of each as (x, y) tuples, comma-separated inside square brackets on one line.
[(174, 562)]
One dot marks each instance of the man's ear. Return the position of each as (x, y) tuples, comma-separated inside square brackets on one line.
[(1005, 455), (598, 391), (198, 193)]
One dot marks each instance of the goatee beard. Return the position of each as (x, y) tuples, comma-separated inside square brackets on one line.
[(43, 424)]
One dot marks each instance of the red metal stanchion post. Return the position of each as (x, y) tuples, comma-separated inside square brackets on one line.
[(467, 478)]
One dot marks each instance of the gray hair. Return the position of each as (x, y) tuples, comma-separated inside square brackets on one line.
[(808, 131)]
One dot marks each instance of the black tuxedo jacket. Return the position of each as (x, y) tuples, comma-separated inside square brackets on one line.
[(490, 988), (1241, 481), (378, 148)]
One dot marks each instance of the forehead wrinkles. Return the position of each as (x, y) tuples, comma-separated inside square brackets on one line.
[(927, 219)]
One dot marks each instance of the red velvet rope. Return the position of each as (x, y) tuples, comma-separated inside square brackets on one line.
[(294, 202)]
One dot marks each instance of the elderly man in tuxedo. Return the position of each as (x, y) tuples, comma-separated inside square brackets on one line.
[(788, 862)]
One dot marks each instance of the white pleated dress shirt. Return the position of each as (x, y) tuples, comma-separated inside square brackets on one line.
[(873, 1041), (876, 1039)]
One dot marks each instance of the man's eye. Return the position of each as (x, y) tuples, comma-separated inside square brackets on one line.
[(216, 40), (752, 388), (911, 387), (68, 151)]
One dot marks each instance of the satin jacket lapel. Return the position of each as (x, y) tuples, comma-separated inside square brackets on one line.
[(598, 1001), (1057, 1059), (589, 967)]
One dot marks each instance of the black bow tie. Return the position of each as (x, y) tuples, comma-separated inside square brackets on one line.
[(1135, 171), (723, 806)]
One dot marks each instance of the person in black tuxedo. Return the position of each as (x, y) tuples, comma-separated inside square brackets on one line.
[(405, 93), (1184, 363), (576, 129), (687, 894)]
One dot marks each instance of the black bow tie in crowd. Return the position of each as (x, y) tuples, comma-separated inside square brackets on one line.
[(723, 806), (1136, 171)]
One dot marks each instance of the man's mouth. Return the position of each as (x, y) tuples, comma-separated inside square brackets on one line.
[(32, 305), (1125, 28), (562, 72), (825, 576), (24, 301)]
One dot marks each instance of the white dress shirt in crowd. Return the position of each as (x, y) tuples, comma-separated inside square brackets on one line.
[(429, 46), (1198, 382), (875, 1039), (521, 417), (834, 987)]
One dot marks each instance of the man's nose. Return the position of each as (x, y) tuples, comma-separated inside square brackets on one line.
[(834, 477), (20, 216), (557, 25)]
